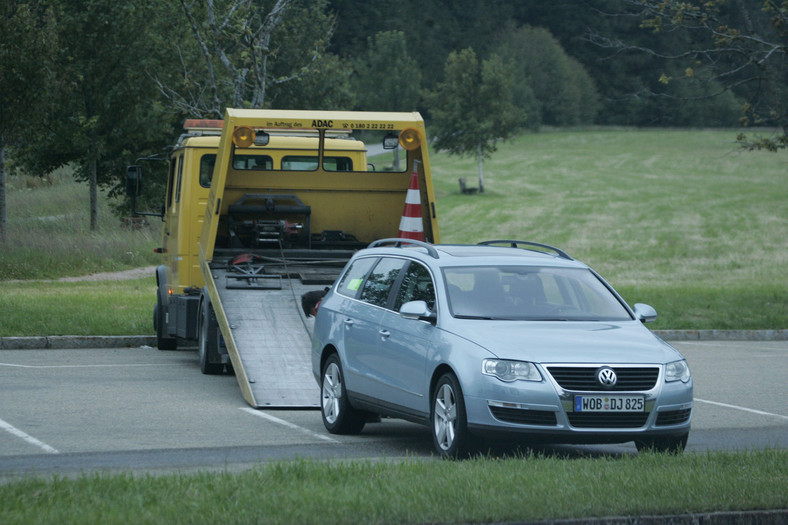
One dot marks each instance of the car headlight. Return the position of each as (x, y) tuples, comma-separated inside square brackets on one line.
[(509, 371), (677, 371)]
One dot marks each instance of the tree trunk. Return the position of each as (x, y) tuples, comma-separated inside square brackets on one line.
[(481, 167), (93, 195), (3, 213)]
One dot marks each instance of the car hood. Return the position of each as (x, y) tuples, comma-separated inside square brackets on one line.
[(569, 342)]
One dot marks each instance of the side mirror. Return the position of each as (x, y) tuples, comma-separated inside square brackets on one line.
[(417, 310), (644, 313), (390, 141), (134, 181)]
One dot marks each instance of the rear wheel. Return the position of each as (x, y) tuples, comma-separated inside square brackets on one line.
[(450, 434), (209, 338), (338, 416), (664, 444), (163, 342)]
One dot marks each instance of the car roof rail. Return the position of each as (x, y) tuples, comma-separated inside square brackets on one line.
[(516, 244), (398, 242)]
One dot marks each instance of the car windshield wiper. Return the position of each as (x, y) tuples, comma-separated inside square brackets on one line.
[(482, 317)]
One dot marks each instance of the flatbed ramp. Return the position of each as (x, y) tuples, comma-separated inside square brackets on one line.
[(271, 337)]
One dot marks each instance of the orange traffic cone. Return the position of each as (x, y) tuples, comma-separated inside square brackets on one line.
[(411, 225)]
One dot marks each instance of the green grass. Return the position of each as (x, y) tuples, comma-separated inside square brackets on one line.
[(82, 308), (480, 490), (49, 233), (679, 219)]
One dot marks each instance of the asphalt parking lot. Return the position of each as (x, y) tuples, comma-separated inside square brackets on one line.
[(140, 408)]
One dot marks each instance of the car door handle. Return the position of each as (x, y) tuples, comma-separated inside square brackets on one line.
[(384, 334), (348, 322)]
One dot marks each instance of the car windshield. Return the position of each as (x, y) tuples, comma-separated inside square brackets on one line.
[(530, 293)]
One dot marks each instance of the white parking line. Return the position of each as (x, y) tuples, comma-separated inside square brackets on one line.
[(27, 437), (287, 424), (12, 365), (750, 410)]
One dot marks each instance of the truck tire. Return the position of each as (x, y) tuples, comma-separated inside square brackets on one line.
[(162, 341), (208, 337)]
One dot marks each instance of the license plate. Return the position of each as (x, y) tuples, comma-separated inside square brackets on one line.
[(610, 404)]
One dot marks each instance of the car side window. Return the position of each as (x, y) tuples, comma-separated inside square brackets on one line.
[(354, 277), (378, 286), (416, 286)]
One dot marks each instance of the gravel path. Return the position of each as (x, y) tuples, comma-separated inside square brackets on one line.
[(136, 273)]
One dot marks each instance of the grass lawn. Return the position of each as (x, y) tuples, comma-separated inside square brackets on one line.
[(483, 490), (679, 219)]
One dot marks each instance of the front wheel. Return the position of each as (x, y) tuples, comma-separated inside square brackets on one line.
[(210, 358), (664, 444), (450, 434), (338, 416)]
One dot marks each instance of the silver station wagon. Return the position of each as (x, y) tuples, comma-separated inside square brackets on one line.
[(505, 338)]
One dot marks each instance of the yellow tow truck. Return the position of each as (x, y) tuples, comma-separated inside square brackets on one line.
[(264, 206)]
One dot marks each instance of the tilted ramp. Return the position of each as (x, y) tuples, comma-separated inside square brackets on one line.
[(270, 343)]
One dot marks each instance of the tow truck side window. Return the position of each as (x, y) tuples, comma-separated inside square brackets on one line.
[(171, 183), (207, 162), (178, 182)]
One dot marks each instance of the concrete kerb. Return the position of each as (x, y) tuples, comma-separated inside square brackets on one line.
[(133, 341), (61, 342)]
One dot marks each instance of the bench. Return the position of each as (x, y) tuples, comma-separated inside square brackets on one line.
[(464, 187)]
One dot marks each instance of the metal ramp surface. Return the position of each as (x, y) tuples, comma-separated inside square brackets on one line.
[(272, 339)]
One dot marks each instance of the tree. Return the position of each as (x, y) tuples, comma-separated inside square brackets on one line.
[(103, 113), (387, 78), (737, 45), (472, 107), (564, 93), (246, 51), (24, 61)]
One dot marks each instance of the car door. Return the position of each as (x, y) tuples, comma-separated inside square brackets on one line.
[(362, 324), (400, 359)]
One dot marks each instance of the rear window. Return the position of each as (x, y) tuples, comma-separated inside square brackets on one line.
[(309, 163)]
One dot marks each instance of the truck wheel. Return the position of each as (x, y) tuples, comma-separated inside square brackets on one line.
[(162, 341), (209, 340), (338, 416)]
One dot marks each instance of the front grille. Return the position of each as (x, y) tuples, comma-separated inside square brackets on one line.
[(673, 417), (524, 417), (583, 378), (607, 420)]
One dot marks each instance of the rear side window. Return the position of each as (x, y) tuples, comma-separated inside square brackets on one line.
[(354, 277), (378, 286)]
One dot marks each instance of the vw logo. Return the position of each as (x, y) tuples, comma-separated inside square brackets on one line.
[(606, 377)]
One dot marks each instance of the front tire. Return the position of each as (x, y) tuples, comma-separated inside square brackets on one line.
[(663, 445), (338, 416), (450, 434), (210, 358)]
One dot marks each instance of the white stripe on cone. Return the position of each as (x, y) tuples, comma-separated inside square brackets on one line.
[(411, 225)]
